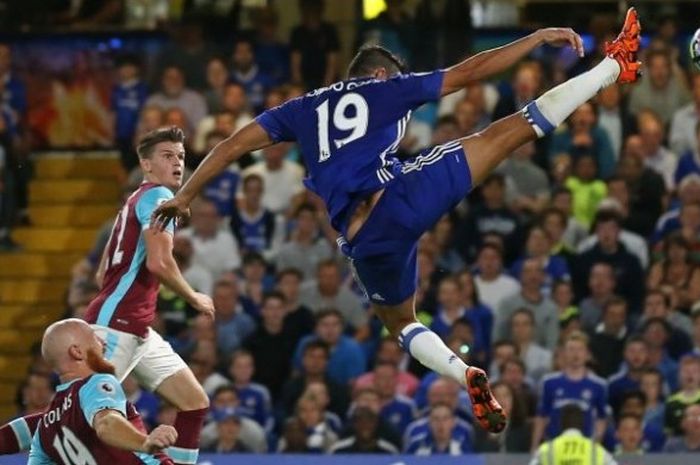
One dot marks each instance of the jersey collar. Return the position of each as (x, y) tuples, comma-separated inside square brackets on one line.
[(66, 385)]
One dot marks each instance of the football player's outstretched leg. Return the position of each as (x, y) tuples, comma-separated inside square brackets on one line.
[(349, 133)]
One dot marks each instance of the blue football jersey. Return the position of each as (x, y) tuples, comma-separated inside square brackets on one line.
[(348, 133), (589, 393)]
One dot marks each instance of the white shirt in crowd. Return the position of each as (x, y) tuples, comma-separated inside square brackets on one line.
[(217, 254)]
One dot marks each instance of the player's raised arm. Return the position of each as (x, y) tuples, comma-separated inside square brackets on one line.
[(250, 137), (494, 61)]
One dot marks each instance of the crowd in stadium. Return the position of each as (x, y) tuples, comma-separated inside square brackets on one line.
[(577, 259)]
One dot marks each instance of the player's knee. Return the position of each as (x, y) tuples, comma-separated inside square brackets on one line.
[(200, 400)]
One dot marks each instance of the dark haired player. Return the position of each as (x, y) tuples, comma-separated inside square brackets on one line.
[(89, 420), (348, 133)]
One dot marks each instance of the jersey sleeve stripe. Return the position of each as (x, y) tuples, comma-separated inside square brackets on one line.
[(21, 429), (110, 305)]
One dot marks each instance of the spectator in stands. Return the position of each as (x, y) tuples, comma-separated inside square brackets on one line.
[(441, 438), (271, 54), (398, 409), (689, 163), (198, 277), (490, 216), (657, 89), (319, 435), (443, 236), (609, 249), (608, 338), (204, 360), (314, 45), (255, 282), (574, 384), (234, 104), (175, 94), (696, 331), (629, 436), (690, 441), (254, 396), (553, 222), (314, 365), (319, 391), (612, 117), (480, 316), (272, 344), (217, 77), (282, 178), (347, 360), (252, 435), (646, 187), (366, 438), (389, 351), (293, 438), (36, 393), (492, 283), (656, 333), (129, 93), (146, 402), (657, 304), (233, 324), (656, 156), (228, 425), (222, 188), (689, 394), (450, 308), (215, 249), (512, 373), (526, 86), (247, 73), (527, 186), (683, 136), (677, 272), (516, 438), (583, 136), (530, 297), (501, 351), (150, 118), (306, 247), (299, 319), (539, 247), (328, 291), (635, 357), (587, 191), (636, 244), (538, 360), (256, 228), (575, 231), (652, 385)]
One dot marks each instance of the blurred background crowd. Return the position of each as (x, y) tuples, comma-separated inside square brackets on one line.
[(579, 257)]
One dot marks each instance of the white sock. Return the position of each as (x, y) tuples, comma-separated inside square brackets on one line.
[(554, 106), (427, 347)]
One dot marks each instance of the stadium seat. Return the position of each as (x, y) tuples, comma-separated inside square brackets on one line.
[(83, 191), (37, 265)]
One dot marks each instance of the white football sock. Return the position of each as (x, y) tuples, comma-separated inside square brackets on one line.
[(427, 347), (554, 106)]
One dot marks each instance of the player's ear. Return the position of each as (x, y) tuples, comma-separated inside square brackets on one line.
[(380, 73), (76, 352), (145, 164)]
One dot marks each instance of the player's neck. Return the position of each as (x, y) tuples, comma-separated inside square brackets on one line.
[(575, 373), (73, 374)]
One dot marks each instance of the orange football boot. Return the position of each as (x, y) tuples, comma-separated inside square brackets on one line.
[(487, 411), (624, 48)]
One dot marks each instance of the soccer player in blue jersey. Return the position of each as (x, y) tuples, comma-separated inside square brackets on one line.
[(348, 133)]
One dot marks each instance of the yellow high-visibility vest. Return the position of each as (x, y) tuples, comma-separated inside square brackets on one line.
[(571, 449)]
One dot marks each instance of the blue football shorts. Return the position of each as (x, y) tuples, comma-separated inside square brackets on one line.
[(383, 252)]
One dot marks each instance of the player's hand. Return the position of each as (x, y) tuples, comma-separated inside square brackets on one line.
[(161, 437), (561, 36), (203, 303), (174, 209)]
